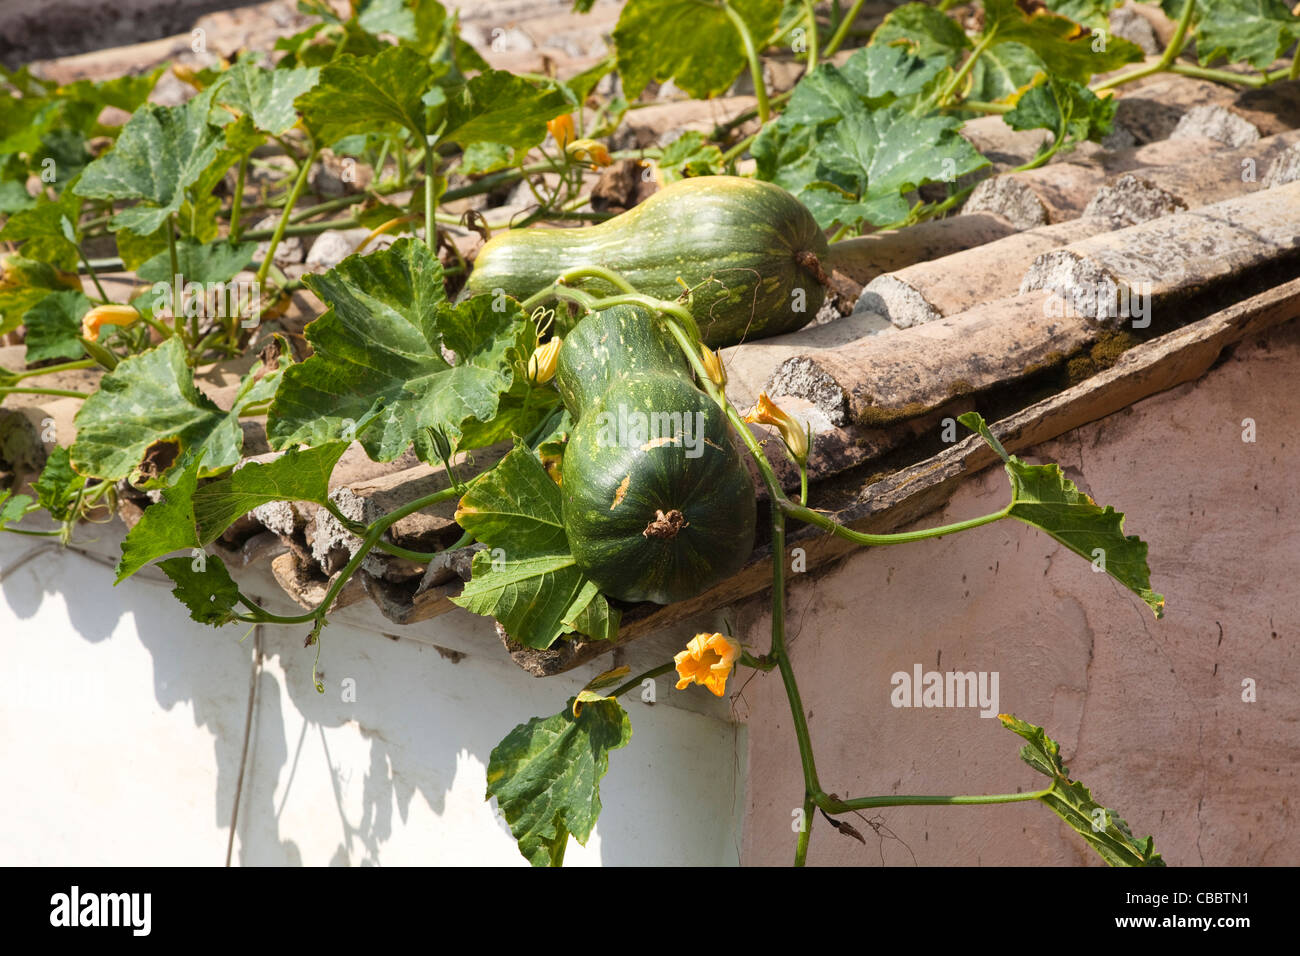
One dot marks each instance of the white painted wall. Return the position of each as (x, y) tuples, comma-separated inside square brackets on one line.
[(123, 723)]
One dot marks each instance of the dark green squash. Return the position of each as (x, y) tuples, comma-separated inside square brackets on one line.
[(751, 251), (658, 504)]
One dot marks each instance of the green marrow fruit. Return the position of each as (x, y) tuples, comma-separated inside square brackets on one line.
[(751, 251), (658, 504)]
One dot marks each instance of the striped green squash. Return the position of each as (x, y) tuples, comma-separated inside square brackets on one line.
[(658, 505), (750, 250)]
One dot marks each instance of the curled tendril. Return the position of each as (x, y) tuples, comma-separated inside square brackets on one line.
[(543, 317)]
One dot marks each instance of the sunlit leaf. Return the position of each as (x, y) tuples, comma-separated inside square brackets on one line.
[(53, 325), (161, 151), (1252, 31), (546, 776), (360, 94), (165, 526), (297, 475), (527, 578), (150, 403), (379, 354), (499, 107), (1043, 497), (1070, 800), (58, 486), (204, 586), (25, 282), (691, 42), (266, 96)]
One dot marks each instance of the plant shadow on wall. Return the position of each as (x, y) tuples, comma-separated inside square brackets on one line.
[(417, 348)]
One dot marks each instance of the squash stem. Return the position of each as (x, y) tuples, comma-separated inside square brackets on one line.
[(801, 513), (282, 225), (755, 64), (831, 805), (178, 318), (811, 13), (805, 831), (842, 30), (430, 224), (237, 203), (1166, 60), (371, 539), (960, 76), (635, 682), (51, 369), (56, 392)]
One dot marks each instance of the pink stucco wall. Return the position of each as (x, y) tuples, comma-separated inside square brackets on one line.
[(1149, 713)]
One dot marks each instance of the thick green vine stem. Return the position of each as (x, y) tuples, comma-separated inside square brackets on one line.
[(283, 224), (755, 64), (842, 30), (373, 535), (810, 11), (1166, 60)]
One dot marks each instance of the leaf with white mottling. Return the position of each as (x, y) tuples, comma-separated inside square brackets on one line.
[(161, 151)]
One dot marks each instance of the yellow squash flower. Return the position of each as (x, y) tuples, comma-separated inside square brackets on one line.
[(541, 365), (712, 362), (562, 130), (589, 151), (707, 661), (793, 432), (102, 315)]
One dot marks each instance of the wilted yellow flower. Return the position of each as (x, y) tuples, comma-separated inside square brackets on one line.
[(563, 130), (713, 365), (102, 315), (589, 151), (793, 432), (707, 661), (541, 365)]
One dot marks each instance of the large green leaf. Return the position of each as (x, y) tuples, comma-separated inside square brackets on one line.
[(166, 526), (58, 486), (266, 96), (527, 578), (12, 507), (1004, 71), (297, 475), (1070, 800), (849, 146), (923, 31), (501, 108), (48, 231), (1070, 51), (136, 250), (1091, 13), (379, 354), (204, 586), (689, 155), (363, 94), (546, 776), (869, 161), (161, 152), (199, 262), (1071, 111), (53, 326), (1043, 497), (14, 197), (1254, 31), (25, 282), (692, 42), (150, 403)]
